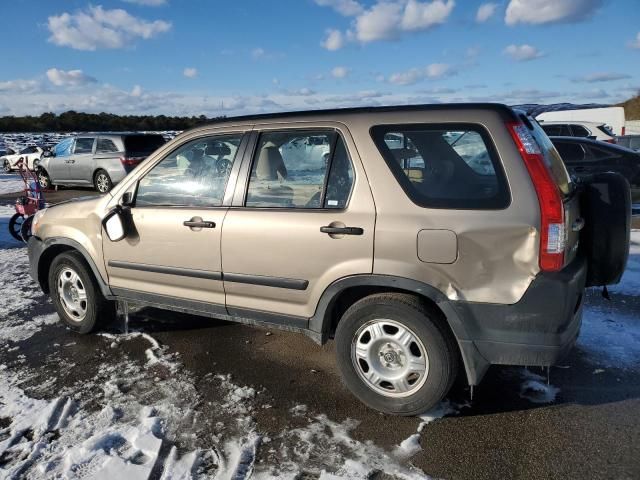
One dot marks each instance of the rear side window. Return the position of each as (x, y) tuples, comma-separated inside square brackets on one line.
[(142, 143), (570, 152), (580, 131), (300, 169), (84, 145), (106, 145), (444, 166)]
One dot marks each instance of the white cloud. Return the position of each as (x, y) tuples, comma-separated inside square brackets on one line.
[(96, 28), (539, 12), (190, 72), (415, 75), (335, 40), (523, 53), (136, 91), (389, 20), (339, 72), (601, 77), (424, 15), (70, 78), (148, 3), (485, 12), (19, 86), (636, 42), (258, 52), (347, 8)]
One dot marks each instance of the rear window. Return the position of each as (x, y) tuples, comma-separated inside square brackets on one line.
[(143, 143), (444, 166), (606, 129)]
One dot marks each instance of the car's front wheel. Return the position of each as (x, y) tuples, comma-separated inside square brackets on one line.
[(43, 179), (75, 294), (102, 181), (395, 355)]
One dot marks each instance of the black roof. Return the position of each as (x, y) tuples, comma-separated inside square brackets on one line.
[(595, 143)]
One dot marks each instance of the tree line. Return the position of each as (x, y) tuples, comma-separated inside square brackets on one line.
[(72, 121)]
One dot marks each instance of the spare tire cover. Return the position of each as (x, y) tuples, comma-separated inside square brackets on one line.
[(606, 208)]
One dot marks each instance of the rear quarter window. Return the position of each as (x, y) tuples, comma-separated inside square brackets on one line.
[(444, 166)]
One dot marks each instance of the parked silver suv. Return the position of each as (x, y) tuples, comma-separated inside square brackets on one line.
[(101, 160), (426, 240)]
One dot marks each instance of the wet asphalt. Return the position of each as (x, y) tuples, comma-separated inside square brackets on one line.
[(592, 430)]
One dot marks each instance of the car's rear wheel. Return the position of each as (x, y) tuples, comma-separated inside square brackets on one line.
[(102, 181), (394, 354), (6, 166), (75, 294)]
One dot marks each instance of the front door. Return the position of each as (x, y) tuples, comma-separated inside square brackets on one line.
[(173, 253), (58, 165), (301, 223)]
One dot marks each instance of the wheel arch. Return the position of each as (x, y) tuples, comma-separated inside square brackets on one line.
[(54, 247), (344, 292)]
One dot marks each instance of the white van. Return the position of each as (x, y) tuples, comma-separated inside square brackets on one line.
[(611, 116)]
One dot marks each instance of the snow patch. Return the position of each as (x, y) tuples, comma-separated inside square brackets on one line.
[(535, 389), (10, 183)]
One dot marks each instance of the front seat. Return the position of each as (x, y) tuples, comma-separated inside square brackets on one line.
[(266, 185)]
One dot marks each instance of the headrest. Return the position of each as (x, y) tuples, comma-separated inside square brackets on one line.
[(270, 164), (218, 149)]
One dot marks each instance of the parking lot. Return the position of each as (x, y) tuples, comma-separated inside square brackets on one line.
[(230, 400)]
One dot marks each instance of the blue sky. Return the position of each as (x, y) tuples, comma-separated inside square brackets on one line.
[(230, 57)]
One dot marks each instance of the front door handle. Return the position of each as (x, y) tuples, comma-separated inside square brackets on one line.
[(342, 230), (197, 222)]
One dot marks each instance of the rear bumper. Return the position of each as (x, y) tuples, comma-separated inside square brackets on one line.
[(539, 330)]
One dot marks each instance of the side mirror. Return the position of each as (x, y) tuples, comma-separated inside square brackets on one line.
[(114, 224), (48, 154)]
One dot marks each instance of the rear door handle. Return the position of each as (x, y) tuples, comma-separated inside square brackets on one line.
[(193, 223), (342, 230)]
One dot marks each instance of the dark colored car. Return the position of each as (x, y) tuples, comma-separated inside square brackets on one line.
[(584, 156)]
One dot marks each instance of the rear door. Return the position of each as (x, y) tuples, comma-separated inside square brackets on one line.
[(298, 222), (81, 161)]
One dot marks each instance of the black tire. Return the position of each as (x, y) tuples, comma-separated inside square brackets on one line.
[(25, 229), (102, 182), (606, 208), (422, 321), (6, 166), (15, 225), (98, 310), (44, 179)]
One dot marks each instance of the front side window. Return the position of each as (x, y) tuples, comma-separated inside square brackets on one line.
[(84, 145), (442, 166), (290, 171), (63, 149), (194, 175)]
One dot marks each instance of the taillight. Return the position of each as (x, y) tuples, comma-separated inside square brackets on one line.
[(611, 140), (624, 130), (130, 161), (552, 227)]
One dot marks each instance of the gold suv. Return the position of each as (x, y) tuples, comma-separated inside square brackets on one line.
[(426, 240)]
